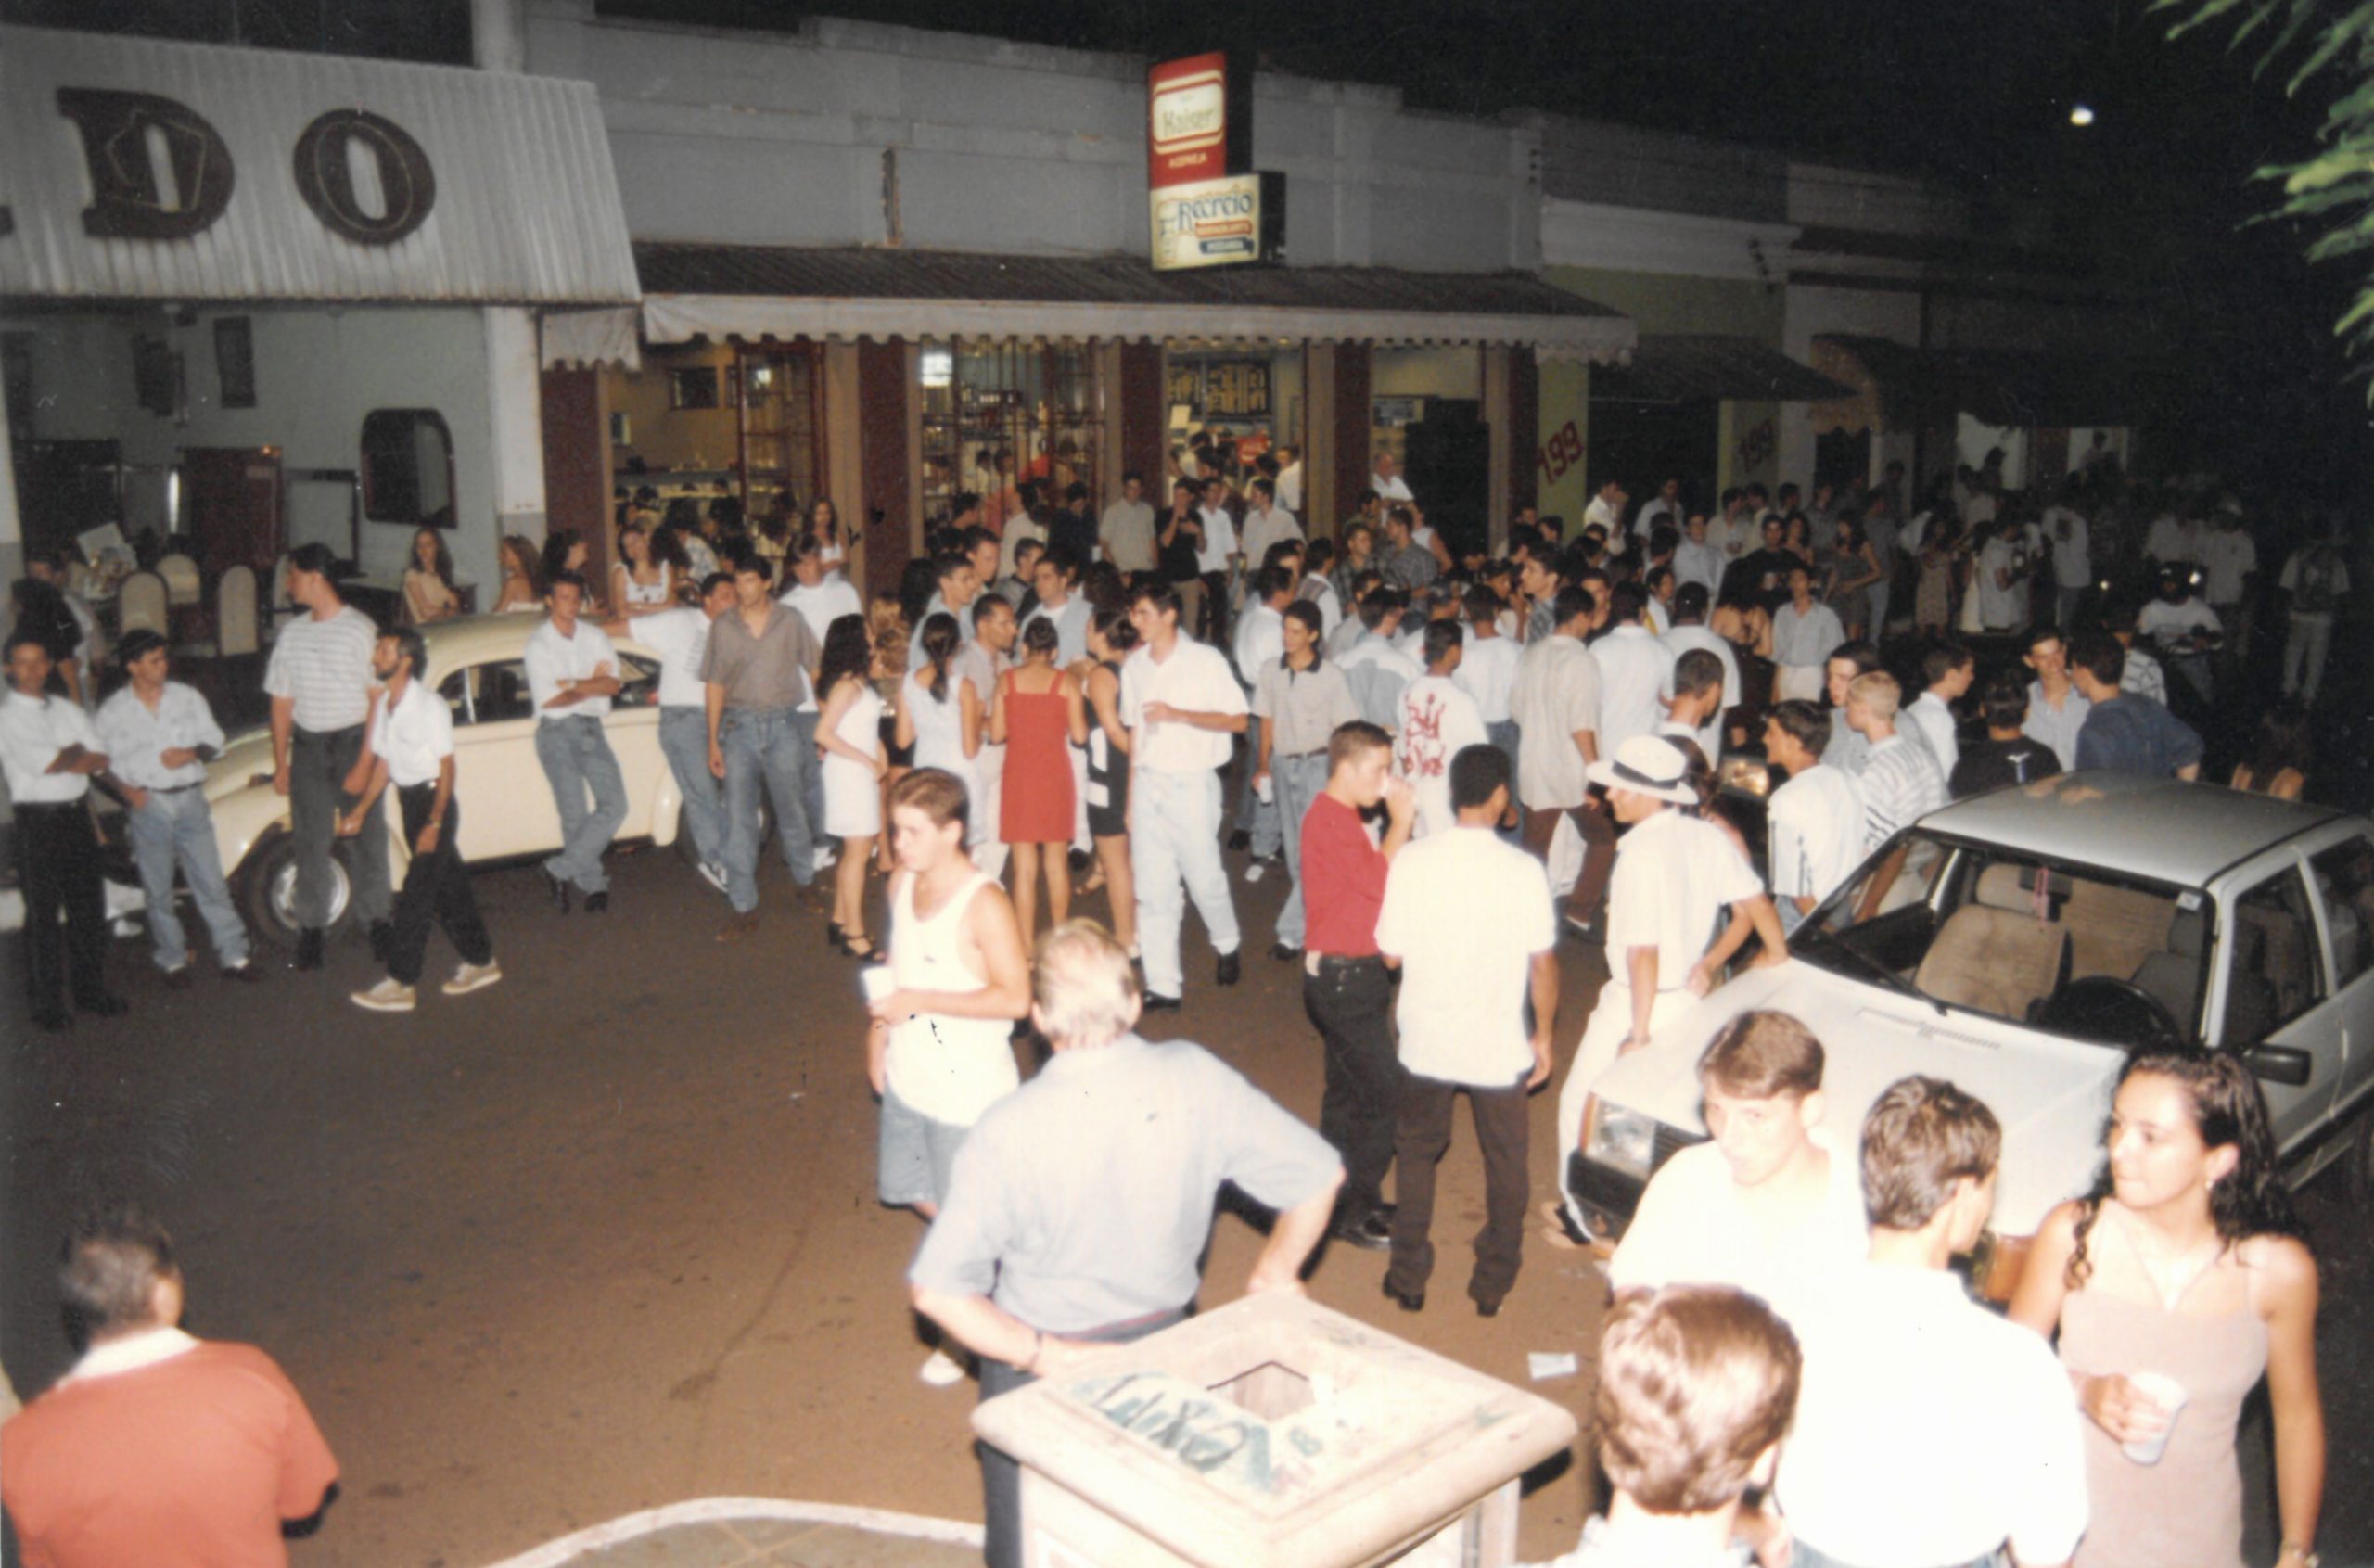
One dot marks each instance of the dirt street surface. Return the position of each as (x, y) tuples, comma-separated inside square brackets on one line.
[(604, 1237)]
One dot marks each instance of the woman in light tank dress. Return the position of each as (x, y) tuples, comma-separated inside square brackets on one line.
[(940, 713), (849, 736), (2186, 1263)]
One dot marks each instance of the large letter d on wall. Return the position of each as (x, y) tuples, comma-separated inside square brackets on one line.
[(157, 170)]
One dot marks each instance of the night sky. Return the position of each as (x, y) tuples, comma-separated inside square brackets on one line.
[(1975, 95)]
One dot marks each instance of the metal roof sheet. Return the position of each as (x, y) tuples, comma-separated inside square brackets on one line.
[(785, 290), (525, 210), (1686, 367)]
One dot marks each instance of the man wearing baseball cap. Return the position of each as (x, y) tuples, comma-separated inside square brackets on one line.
[(1674, 876)]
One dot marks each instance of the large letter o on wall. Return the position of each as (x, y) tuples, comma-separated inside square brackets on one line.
[(326, 178)]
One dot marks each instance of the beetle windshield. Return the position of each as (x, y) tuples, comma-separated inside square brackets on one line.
[(2038, 942)]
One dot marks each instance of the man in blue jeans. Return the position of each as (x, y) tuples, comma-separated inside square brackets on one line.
[(572, 675), (760, 666), (681, 639), (159, 735)]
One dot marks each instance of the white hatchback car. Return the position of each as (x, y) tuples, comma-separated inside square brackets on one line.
[(477, 665), (2021, 944)]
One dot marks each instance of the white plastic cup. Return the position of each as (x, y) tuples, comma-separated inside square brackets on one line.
[(1263, 788), (875, 981), (2170, 1396)]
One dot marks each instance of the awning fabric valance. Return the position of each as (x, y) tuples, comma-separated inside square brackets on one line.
[(763, 291), (1689, 368)]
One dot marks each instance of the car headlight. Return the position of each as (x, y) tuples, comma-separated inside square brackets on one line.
[(1623, 1140), (1746, 774)]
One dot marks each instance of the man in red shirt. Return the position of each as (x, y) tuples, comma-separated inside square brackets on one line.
[(1346, 989), (157, 1449)]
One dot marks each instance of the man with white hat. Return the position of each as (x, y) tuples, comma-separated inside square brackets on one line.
[(1676, 873)]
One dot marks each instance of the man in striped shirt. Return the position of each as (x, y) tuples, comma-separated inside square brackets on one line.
[(1901, 783), (319, 680)]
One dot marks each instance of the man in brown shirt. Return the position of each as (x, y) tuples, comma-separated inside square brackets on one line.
[(760, 666)]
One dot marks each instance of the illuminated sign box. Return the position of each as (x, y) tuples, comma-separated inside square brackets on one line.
[(1199, 120), (1219, 223)]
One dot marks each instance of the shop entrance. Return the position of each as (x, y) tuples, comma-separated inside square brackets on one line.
[(1448, 456), (232, 495), (1641, 445)]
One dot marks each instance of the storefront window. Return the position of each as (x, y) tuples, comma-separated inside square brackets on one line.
[(777, 391), (1240, 402), (995, 413)]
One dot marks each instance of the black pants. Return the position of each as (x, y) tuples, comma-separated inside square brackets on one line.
[(436, 889), (1001, 1476), (58, 867), (1350, 1003), (1421, 1135)]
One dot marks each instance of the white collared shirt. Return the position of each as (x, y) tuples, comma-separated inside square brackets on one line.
[(136, 738), (1487, 671), (1815, 832), (1674, 876), (1929, 1429), (1219, 539), (681, 639), (32, 731), (1465, 913), (1934, 719), (130, 1354), (1635, 673), (2056, 727), (1392, 489), (555, 657), (819, 606), (415, 735), (1195, 679), (1260, 640)]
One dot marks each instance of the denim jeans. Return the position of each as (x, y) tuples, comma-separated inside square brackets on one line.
[(773, 749), (1804, 1556), (577, 757), (1295, 781), (173, 830), (1255, 817), (683, 740), (1504, 733), (1175, 853), (319, 761)]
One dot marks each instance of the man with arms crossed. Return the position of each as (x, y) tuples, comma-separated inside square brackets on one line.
[(1929, 1429), (319, 680), (572, 675), (412, 745), (1080, 1205), (1467, 918), (1181, 704)]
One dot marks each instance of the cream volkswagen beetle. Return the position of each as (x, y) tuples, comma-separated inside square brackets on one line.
[(2020, 944), (477, 665)]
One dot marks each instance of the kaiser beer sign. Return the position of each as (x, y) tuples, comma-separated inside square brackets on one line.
[(1209, 207)]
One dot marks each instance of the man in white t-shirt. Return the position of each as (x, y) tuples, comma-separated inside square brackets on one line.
[(572, 673), (2072, 562), (1665, 507), (680, 637), (1929, 1429), (2182, 629), (1259, 641), (1676, 877), (1688, 634), (820, 596), (2314, 581), (1948, 672), (1181, 705), (1438, 720), (1385, 480), (1467, 918), (1555, 702), (1488, 668), (1768, 1204), (1126, 530), (1699, 559), (1635, 671), (1605, 512), (1290, 478), (2056, 709), (1814, 822), (2229, 567)]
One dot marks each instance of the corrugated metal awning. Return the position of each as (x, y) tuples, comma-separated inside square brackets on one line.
[(768, 291), (506, 184), (1687, 368)]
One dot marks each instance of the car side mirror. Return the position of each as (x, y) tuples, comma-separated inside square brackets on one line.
[(2279, 1063)]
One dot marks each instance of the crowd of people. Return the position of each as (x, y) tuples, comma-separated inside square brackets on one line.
[(1452, 757)]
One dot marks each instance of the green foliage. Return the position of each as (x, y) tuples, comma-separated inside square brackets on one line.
[(2330, 44)]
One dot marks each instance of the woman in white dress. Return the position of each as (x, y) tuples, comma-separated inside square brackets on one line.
[(849, 735), (832, 540), (640, 582), (941, 716)]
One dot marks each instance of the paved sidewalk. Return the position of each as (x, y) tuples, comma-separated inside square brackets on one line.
[(762, 1533)]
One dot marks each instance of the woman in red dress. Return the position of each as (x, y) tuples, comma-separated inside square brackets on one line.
[(1039, 714)]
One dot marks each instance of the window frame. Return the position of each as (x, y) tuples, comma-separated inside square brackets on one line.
[(2336, 982), (2320, 987), (450, 517)]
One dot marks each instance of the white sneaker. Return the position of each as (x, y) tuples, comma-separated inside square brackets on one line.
[(472, 977), (826, 855), (713, 873), (391, 995), (941, 1370)]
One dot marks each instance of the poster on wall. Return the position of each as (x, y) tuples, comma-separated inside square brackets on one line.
[(1236, 389)]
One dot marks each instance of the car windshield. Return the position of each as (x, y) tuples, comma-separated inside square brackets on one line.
[(2046, 943)]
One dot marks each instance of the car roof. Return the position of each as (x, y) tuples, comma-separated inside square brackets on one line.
[(468, 640), (2165, 830)]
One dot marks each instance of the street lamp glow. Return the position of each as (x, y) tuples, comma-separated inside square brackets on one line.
[(2080, 114)]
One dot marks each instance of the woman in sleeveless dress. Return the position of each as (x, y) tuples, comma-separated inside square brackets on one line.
[(523, 577), (641, 583), (2281, 753), (940, 713), (849, 736), (831, 540), (1037, 717), (429, 593), (2185, 1264), (1110, 639)]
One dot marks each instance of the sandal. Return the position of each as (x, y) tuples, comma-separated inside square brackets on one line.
[(1095, 884), (859, 947)]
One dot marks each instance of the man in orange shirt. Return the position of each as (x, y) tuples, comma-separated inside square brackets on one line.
[(157, 1448)]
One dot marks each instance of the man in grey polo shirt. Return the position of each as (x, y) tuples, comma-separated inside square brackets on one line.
[(319, 680), (1300, 699), (1081, 1205), (759, 669)]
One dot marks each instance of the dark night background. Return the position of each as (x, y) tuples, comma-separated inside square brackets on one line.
[(2158, 188)]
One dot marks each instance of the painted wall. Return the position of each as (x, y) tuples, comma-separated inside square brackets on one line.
[(1562, 442), (849, 133), (1428, 373), (668, 438), (1814, 310), (318, 373), (1669, 303)]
